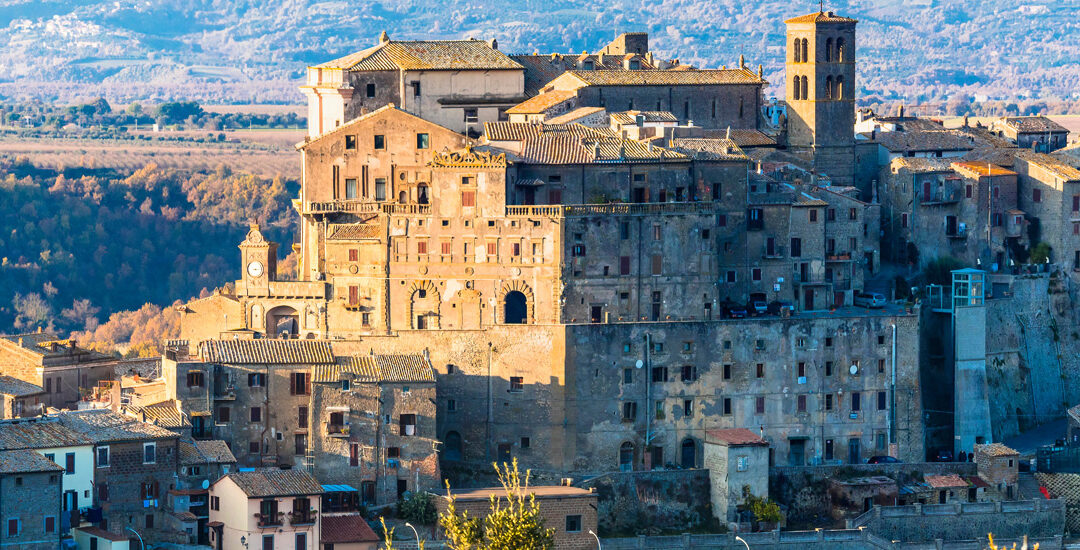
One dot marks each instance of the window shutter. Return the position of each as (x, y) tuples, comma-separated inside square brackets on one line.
[(292, 384), (307, 384)]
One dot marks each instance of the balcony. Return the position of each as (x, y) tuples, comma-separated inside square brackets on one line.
[(303, 517), (838, 257), (364, 207), (777, 252), (337, 430), (270, 520)]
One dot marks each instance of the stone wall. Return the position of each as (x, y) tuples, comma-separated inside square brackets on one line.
[(966, 521), (30, 497), (640, 502), (799, 540)]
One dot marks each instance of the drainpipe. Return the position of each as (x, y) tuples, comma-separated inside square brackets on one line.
[(892, 391), (490, 412), (648, 392)]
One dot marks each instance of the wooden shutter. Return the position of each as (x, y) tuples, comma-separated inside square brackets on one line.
[(292, 384)]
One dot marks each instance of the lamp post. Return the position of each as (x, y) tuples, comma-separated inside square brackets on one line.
[(410, 526), (142, 546), (598, 545), (740, 539)]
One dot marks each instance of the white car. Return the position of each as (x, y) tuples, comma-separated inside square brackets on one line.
[(869, 300)]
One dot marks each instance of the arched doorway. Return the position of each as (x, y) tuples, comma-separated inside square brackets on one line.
[(282, 322), (515, 308), (688, 457), (422, 194), (626, 457), (403, 197), (452, 446)]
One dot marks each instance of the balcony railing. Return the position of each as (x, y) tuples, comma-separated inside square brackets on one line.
[(337, 430), (306, 517), (628, 209), (270, 520), (364, 207), (838, 257)]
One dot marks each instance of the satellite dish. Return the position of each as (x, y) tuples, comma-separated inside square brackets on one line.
[(639, 363), (854, 369), (206, 484)]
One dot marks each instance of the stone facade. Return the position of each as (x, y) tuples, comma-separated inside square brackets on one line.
[(738, 463), (999, 466), (1049, 194), (570, 511), (30, 507), (58, 365)]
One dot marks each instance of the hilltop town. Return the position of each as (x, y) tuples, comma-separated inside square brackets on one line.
[(701, 317)]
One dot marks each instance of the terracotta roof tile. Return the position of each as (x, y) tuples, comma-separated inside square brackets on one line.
[(1033, 124), (356, 231), (50, 345), (295, 352), (272, 482), (541, 103), (39, 433), (919, 141), (696, 77), (519, 131), (996, 449), (200, 451), (426, 55), (821, 17), (104, 426), (18, 388), (346, 529), (735, 437), (541, 69), (982, 169), (25, 461), (378, 368), (1051, 163), (709, 148), (164, 414), (945, 481), (630, 117), (575, 115), (567, 149)]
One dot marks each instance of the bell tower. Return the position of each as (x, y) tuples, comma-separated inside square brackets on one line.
[(259, 257), (820, 91)]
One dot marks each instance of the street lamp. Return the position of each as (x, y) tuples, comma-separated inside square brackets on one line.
[(410, 526), (740, 539), (598, 545), (142, 546)]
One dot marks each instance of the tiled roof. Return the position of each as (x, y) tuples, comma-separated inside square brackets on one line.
[(519, 131), (102, 534), (1063, 486), (47, 344), (945, 481), (105, 426), (541, 69), (18, 388), (921, 165), (346, 529), (1051, 163), (696, 77), (709, 148), (25, 461), (266, 351), (575, 115), (356, 231), (996, 449), (212, 451), (165, 414), (735, 437), (539, 491), (541, 103), (1074, 413), (1033, 124), (821, 17), (982, 169), (630, 117), (272, 482), (567, 149), (39, 433), (378, 368), (425, 55), (918, 141)]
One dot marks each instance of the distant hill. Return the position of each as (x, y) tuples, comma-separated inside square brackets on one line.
[(255, 51)]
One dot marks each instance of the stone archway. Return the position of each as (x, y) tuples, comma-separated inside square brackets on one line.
[(424, 304), (515, 304), (452, 446), (282, 321)]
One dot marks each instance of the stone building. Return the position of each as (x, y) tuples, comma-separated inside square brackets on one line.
[(459, 84), (19, 398), (201, 463), (820, 91), (135, 465), (1032, 132), (267, 508), (1049, 194), (999, 466), (738, 463), (58, 365), (570, 511), (30, 507)]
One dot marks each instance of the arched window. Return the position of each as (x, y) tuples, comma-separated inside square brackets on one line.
[(805, 50), (422, 194), (688, 458), (839, 91), (828, 50), (828, 87), (798, 50), (626, 457), (797, 89), (805, 88), (452, 446), (403, 197), (839, 50), (515, 308)]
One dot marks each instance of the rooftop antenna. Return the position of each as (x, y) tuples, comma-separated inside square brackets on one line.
[(821, 6)]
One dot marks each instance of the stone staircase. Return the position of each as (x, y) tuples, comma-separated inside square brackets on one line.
[(1028, 487)]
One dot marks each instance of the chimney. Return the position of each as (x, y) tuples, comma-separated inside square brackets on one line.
[(742, 61), (493, 43), (761, 71), (900, 111), (383, 37)]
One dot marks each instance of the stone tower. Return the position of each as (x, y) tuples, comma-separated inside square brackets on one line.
[(820, 86)]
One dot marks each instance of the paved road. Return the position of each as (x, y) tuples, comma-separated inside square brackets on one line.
[(1029, 441)]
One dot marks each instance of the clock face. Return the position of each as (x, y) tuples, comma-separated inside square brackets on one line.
[(255, 269)]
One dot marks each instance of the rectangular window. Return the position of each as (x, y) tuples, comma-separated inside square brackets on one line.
[(103, 457), (354, 454), (624, 264), (761, 370), (350, 188), (300, 383), (628, 376), (1036, 195), (881, 400), (659, 374), (215, 503), (830, 215), (688, 407), (407, 424), (423, 141), (445, 248), (415, 88), (759, 405), (1076, 203), (256, 414), (471, 116), (755, 273), (968, 190), (195, 379), (629, 411), (904, 220), (828, 401), (689, 373), (301, 541), (380, 189), (350, 143), (256, 380), (300, 441), (380, 142), (657, 264), (149, 521), (468, 199), (801, 400), (796, 247), (370, 89), (421, 247), (268, 542), (515, 249), (573, 524), (14, 526), (223, 415), (50, 524), (103, 492), (517, 384), (727, 406), (813, 215), (856, 401), (149, 453), (727, 371), (301, 417), (354, 295), (853, 214)]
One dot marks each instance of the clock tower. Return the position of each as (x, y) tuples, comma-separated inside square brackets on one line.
[(259, 258)]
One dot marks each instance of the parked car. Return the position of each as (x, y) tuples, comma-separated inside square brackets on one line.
[(757, 307), (883, 460), (735, 311), (781, 307), (944, 455), (869, 300)]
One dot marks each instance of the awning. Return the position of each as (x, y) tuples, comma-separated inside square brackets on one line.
[(338, 489)]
